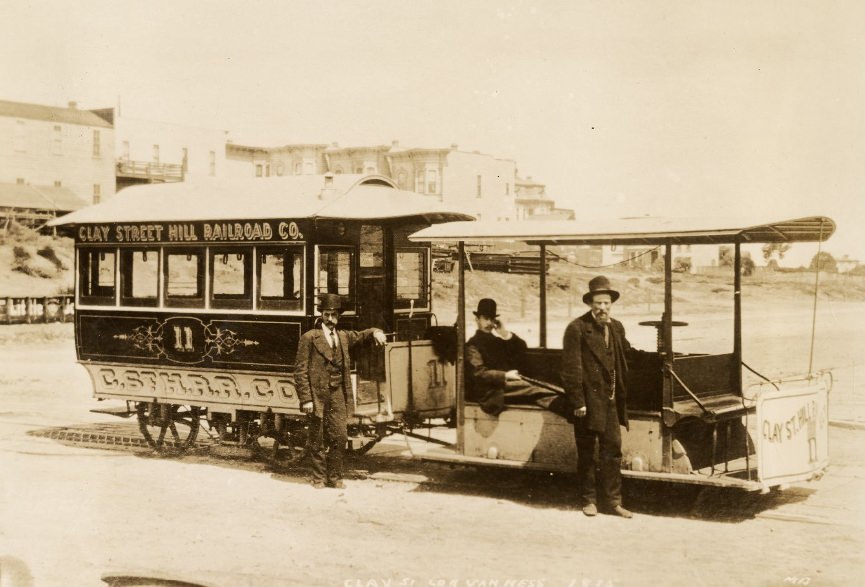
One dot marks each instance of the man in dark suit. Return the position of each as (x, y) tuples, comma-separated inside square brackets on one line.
[(494, 358), (323, 379), (594, 371)]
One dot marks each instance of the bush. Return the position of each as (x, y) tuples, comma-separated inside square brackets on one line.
[(50, 254)]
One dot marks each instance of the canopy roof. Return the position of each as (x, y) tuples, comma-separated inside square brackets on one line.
[(642, 230), (342, 196)]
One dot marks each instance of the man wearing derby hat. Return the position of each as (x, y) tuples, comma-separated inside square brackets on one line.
[(494, 357), (322, 377), (594, 370)]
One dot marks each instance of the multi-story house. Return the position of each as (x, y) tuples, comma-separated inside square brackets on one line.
[(481, 184), (65, 151), (532, 202), (251, 161), (153, 152)]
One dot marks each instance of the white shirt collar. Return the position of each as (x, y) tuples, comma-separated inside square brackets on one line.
[(330, 335)]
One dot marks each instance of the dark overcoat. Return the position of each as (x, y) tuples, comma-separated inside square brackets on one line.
[(311, 375), (488, 358), (587, 369)]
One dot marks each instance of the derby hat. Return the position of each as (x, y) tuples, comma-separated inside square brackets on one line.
[(599, 285), (329, 301), (487, 307)]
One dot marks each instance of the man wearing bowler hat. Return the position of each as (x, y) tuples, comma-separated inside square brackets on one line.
[(323, 380), (494, 356), (594, 370)]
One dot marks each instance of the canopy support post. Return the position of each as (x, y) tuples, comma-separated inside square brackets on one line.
[(461, 348), (543, 296), (737, 312), (667, 358)]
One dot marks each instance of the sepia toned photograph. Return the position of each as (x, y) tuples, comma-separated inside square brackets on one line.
[(491, 293)]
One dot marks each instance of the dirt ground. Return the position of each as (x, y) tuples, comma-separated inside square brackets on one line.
[(69, 515)]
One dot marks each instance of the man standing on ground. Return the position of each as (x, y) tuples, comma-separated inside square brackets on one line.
[(594, 371), (323, 380)]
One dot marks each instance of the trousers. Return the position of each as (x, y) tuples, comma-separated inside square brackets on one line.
[(328, 437), (523, 392), (602, 474)]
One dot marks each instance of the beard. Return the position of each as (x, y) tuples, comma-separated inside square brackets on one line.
[(602, 317)]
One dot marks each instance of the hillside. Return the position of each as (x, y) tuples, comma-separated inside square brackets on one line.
[(36, 265)]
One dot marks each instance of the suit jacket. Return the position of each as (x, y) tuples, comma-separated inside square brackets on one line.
[(314, 354), (488, 357), (587, 369)]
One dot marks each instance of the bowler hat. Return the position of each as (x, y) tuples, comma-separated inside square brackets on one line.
[(329, 301), (599, 285), (487, 307)]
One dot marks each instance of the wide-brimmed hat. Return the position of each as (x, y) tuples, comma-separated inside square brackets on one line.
[(487, 307), (329, 301), (599, 285)]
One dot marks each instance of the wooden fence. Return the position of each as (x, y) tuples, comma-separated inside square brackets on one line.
[(28, 310)]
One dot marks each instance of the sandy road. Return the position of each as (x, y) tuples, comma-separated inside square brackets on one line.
[(68, 515)]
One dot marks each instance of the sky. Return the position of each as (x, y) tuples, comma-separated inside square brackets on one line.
[(682, 108)]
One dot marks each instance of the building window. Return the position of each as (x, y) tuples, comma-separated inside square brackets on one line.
[(412, 279), (480, 187), (184, 163), (125, 151), (57, 140), (97, 193), (307, 167), (280, 278), (431, 181), (419, 187), (19, 140), (96, 276), (139, 277), (212, 163), (370, 170), (97, 144), (156, 154), (267, 170), (298, 168), (231, 278), (358, 169), (280, 169), (338, 170), (19, 180), (183, 278), (258, 170), (336, 273), (57, 183)]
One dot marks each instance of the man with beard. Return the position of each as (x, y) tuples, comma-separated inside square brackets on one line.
[(494, 357), (594, 372), (322, 377)]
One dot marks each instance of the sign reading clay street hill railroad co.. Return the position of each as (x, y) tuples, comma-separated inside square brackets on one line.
[(190, 232)]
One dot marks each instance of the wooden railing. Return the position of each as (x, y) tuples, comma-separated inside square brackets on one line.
[(17, 309), (146, 170)]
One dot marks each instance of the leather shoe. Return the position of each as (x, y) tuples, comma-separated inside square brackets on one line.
[(590, 509), (338, 484), (622, 512), (317, 484)]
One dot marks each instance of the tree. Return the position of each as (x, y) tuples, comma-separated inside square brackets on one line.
[(725, 256), (770, 249), (823, 261)]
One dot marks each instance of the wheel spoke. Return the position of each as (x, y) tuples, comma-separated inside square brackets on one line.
[(182, 421)]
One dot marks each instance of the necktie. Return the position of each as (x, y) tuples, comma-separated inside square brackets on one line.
[(331, 338)]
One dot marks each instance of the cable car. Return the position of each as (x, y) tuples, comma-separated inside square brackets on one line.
[(692, 420), (191, 299)]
